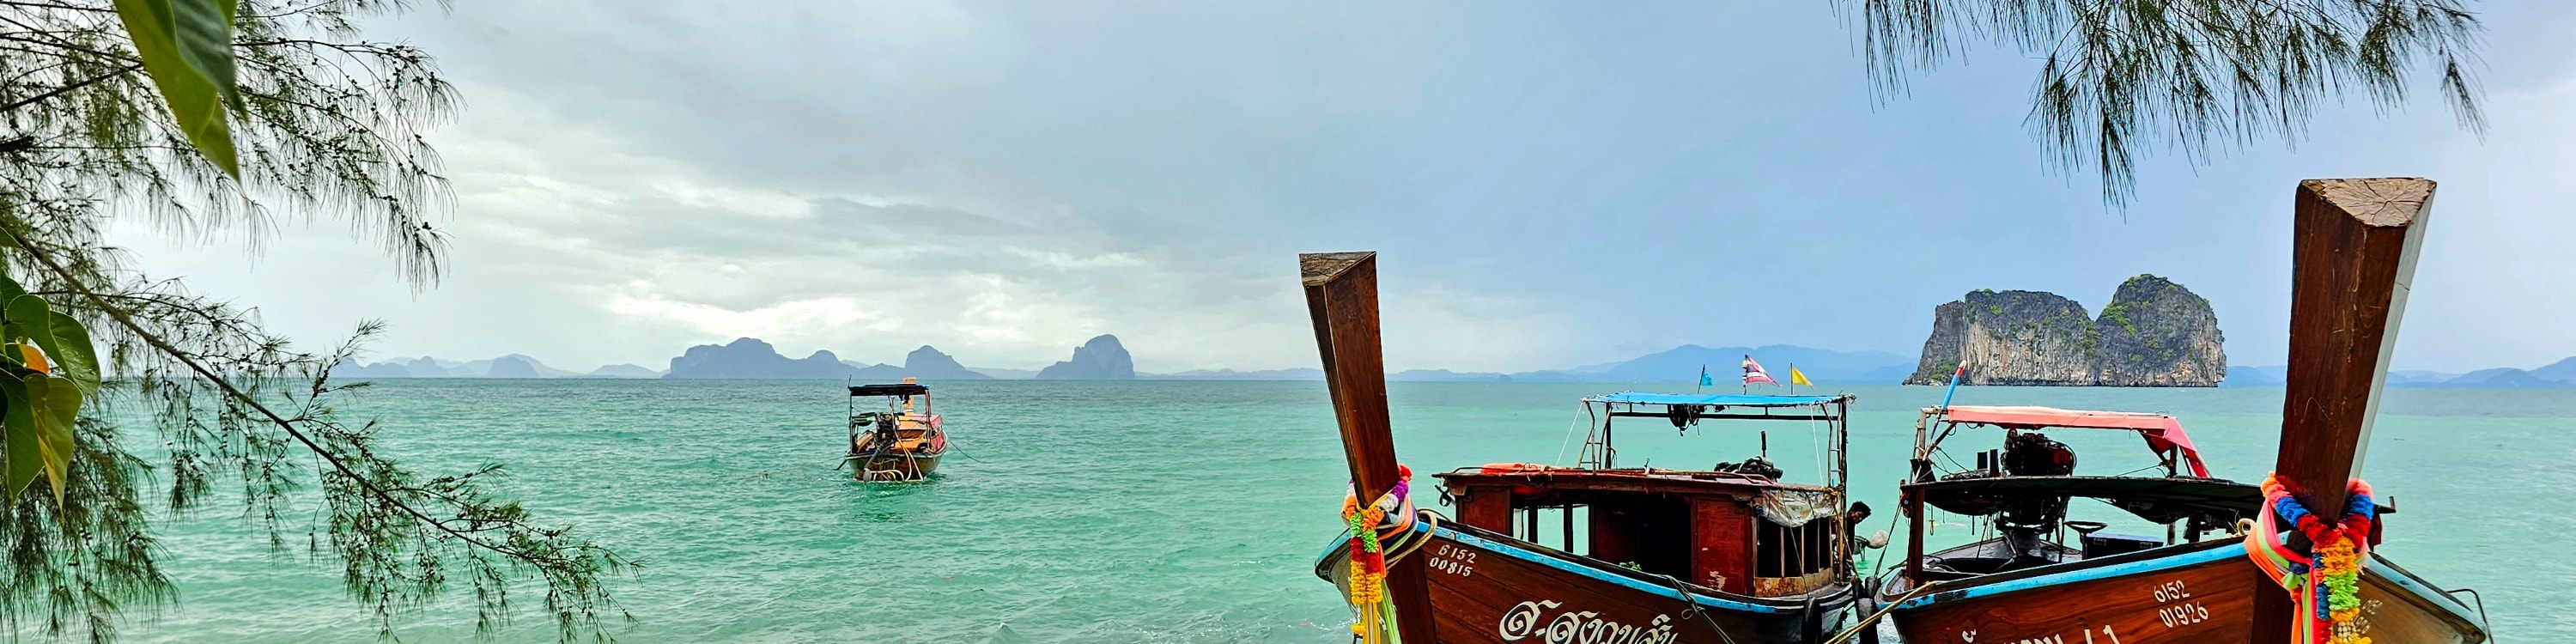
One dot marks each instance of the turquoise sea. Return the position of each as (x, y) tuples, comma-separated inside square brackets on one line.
[(1165, 511)]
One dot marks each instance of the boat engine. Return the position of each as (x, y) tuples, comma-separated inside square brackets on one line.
[(885, 437), (881, 436), (2025, 521), (2036, 455)]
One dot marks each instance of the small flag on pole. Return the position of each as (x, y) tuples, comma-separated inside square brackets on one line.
[(1753, 374), (1799, 378), (1704, 380)]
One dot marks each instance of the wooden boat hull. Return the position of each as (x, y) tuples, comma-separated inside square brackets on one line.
[(2200, 595), (1486, 588), (897, 467)]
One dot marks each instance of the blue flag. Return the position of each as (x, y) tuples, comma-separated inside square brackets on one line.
[(1704, 380)]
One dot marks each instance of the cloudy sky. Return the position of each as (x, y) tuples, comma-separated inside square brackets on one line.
[(1549, 184)]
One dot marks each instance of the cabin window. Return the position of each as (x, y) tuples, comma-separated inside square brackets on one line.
[(1563, 527), (1793, 551)]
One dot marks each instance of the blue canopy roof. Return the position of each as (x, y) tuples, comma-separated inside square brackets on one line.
[(1727, 400)]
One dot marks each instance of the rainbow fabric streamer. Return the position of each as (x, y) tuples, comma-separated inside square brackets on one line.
[(2326, 579), (1368, 558)]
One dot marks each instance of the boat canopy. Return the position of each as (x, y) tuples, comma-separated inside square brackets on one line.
[(2163, 433), (1794, 507), (1720, 400), (905, 389), (2159, 499)]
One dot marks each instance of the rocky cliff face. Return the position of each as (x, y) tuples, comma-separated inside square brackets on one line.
[(1100, 359), (2155, 333), (929, 364), (2007, 338)]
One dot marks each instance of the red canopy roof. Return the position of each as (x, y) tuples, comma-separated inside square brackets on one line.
[(2161, 431)]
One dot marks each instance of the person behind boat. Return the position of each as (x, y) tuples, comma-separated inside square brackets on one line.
[(1852, 520)]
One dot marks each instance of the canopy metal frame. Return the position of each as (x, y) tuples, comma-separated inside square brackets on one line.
[(1834, 411)]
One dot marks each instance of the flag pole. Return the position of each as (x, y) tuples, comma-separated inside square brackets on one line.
[(1955, 377), (1703, 379), (1793, 378)]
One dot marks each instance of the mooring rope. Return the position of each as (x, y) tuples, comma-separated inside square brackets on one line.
[(1695, 609), (1871, 621), (1416, 543)]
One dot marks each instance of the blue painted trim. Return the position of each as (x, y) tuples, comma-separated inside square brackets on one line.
[(2235, 550), (1618, 580), (1343, 540), (1335, 550)]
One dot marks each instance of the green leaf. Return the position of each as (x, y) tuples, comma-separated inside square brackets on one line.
[(55, 404), (27, 316), (18, 420), (74, 356), (187, 47), (9, 288)]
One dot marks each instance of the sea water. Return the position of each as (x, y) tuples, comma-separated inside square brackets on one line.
[(1175, 511)]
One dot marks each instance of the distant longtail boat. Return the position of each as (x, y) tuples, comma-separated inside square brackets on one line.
[(894, 440)]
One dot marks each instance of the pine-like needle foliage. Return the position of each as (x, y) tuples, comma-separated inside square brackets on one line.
[(2118, 75), (330, 129)]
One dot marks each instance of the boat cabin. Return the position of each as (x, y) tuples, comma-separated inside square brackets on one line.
[(2023, 488), (1732, 528), (906, 422)]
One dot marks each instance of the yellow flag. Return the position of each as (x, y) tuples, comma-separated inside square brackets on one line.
[(1798, 378)]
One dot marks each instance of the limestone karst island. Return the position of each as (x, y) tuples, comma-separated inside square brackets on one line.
[(2155, 333)]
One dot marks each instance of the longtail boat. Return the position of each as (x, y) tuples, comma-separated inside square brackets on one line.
[(2292, 560), (1726, 554), (2035, 572), (898, 439)]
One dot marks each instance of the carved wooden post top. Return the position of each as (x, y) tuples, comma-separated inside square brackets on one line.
[(2384, 201), (1319, 268)]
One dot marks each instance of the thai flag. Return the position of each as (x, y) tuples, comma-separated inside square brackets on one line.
[(1753, 374)]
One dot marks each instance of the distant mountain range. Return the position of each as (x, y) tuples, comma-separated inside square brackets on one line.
[(2557, 375), (1100, 359), (1104, 358), (1679, 364), (509, 366)]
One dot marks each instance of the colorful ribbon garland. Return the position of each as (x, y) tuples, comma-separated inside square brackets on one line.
[(1368, 558), (2326, 579)]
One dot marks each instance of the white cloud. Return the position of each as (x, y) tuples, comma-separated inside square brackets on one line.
[(1553, 186)]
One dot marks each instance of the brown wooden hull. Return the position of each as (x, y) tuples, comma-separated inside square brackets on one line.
[(1486, 588), (2193, 594), (897, 467)]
